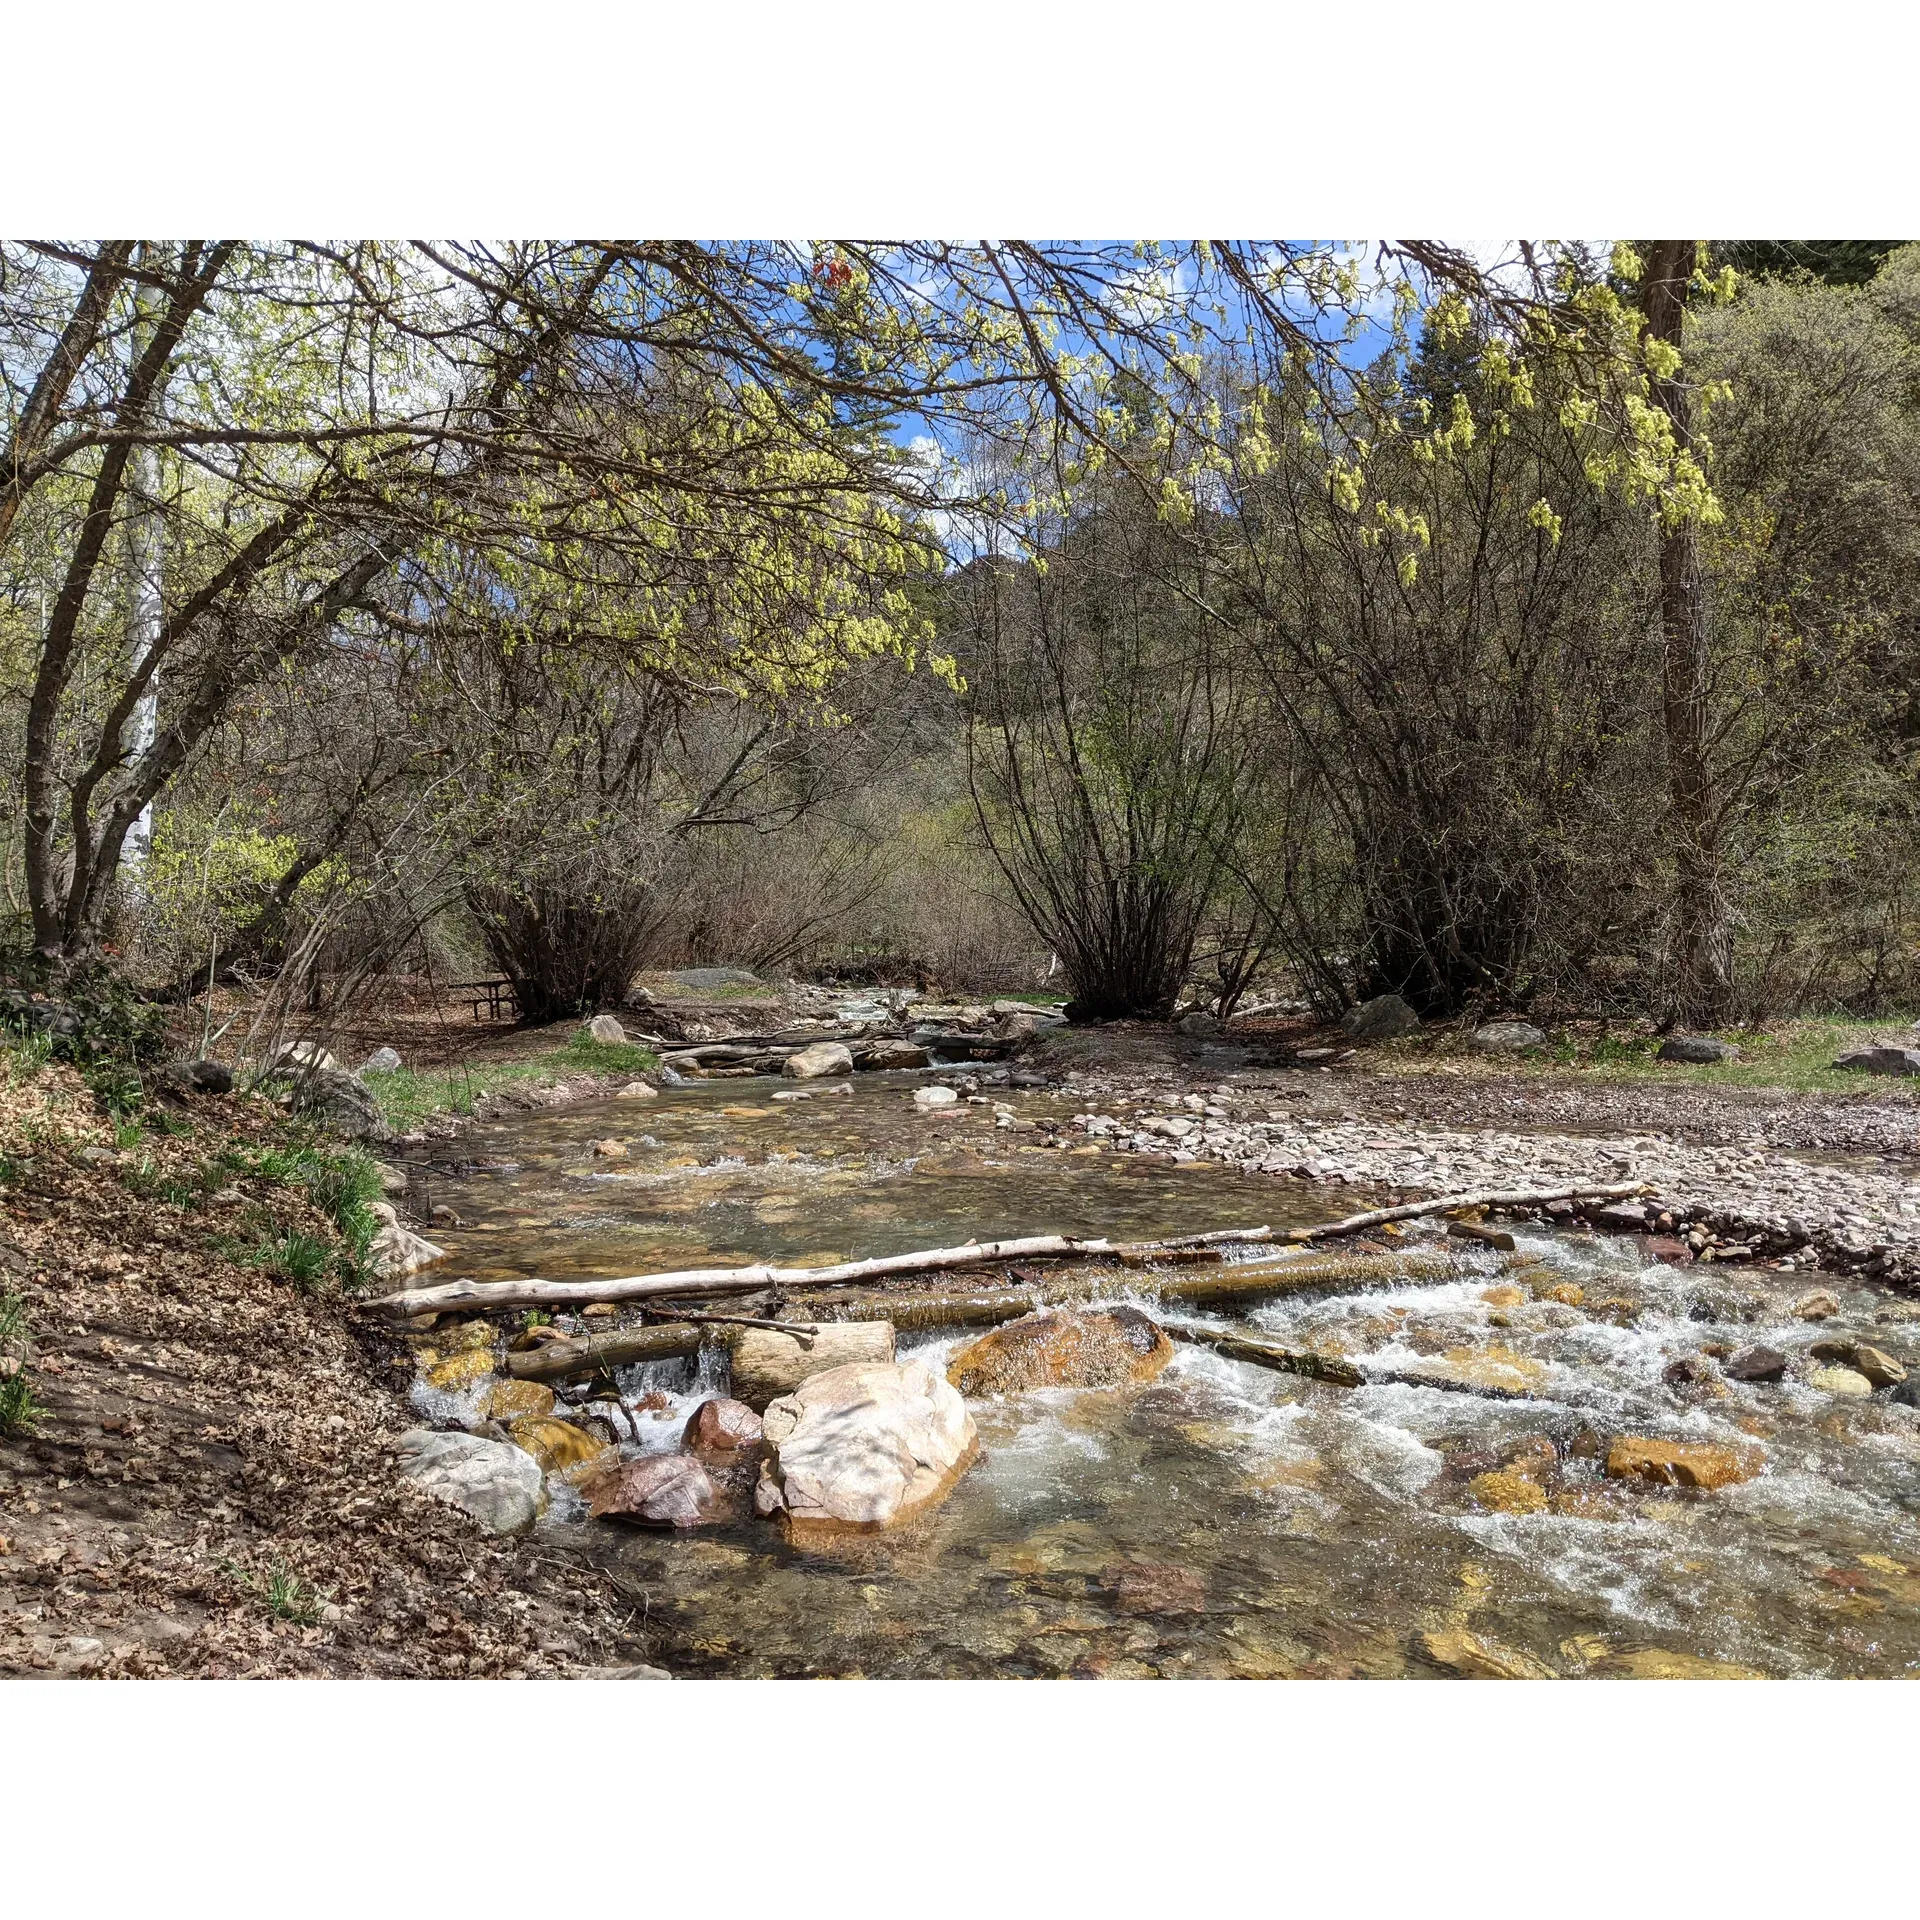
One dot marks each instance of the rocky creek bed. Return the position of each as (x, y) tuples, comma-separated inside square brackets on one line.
[(1562, 1458), (1608, 1452)]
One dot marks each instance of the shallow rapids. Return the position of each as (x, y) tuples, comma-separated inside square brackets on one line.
[(1227, 1520)]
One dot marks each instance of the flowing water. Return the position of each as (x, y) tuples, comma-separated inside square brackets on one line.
[(1227, 1520)]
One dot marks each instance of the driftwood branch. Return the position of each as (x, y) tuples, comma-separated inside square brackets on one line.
[(1241, 1284), (714, 1280), (1448, 1202)]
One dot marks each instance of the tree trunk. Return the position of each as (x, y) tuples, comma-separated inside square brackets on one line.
[(1703, 920)]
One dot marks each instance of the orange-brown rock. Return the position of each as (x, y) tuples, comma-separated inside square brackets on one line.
[(1063, 1347), (1507, 1492), (1671, 1463), (509, 1399), (557, 1444)]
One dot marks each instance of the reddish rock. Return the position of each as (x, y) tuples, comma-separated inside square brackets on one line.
[(723, 1426), (1757, 1364), (1694, 1370), (1150, 1587), (1663, 1246), (657, 1490)]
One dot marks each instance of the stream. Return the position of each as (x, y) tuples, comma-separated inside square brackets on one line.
[(1226, 1520)]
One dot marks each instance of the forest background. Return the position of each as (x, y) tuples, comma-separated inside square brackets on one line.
[(1520, 632)]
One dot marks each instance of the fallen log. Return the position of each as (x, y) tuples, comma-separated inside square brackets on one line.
[(1447, 1202), (603, 1352), (493, 1294)]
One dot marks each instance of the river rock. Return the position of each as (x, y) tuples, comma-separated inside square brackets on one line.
[(511, 1399), (1063, 1347), (1385, 1018), (337, 1100), (558, 1445), (1757, 1365), (1505, 1491), (1495, 1237), (865, 1447), (608, 1031), (498, 1485), (637, 1090), (1673, 1463), (1879, 1367), (723, 1426), (459, 1371), (395, 1251), (1480, 1658), (1506, 1036), (609, 1149), (1816, 1306), (1900, 1063), (767, 1363), (1840, 1380), (932, 1099), (821, 1061), (1697, 1050), (657, 1490), (381, 1060), (1620, 1216)]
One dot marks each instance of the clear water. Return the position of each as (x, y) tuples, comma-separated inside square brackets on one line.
[(1227, 1520)]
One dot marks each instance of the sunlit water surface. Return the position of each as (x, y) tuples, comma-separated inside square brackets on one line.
[(1227, 1520)]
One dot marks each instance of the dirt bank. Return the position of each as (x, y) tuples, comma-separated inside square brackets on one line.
[(205, 1490)]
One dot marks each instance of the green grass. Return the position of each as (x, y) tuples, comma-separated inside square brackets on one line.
[(19, 1410), (1793, 1056), (147, 1181), (300, 1259), (283, 1593), (407, 1097), (343, 1184)]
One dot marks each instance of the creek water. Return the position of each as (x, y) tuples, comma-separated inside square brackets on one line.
[(1226, 1520)]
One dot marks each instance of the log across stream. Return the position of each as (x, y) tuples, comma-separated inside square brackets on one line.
[(1385, 1462)]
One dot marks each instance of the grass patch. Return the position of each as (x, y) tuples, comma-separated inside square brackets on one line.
[(283, 1593), (19, 1410), (605, 1056), (407, 1097), (342, 1184), (1795, 1056), (301, 1259), (147, 1181)]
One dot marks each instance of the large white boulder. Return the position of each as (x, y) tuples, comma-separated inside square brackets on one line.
[(497, 1484), (607, 1030), (866, 1446), (818, 1062), (394, 1250)]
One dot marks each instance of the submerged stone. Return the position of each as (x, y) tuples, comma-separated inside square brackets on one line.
[(1672, 1463), (1505, 1491), (558, 1445), (1063, 1347), (1480, 1658)]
